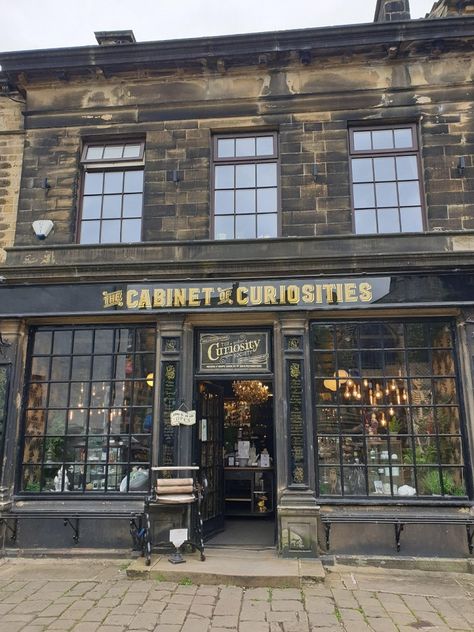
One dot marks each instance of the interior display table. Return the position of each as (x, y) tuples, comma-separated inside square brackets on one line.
[(248, 491)]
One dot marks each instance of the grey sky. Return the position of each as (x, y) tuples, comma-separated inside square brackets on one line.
[(30, 24)]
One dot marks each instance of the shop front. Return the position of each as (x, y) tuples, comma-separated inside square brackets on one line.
[(309, 394)]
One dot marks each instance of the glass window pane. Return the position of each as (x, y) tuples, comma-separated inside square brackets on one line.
[(389, 221), (132, 205), (56, 422), (39, 369), (245, 227), (407, 168), (266, 200), (224, 177), (58, 395), (267, 175), (244, 147), (60, 368), (245, 201), (330, 481), (113, 182), (362, 141), (90, 232), (364, 196), (93, 182), (384, 169), (113, 151), (110, 232), (62, 342), (133, 182), (225, 148), (112, 206), (362, 170), (365, 222), (382, 139), (224, 227), (267, 225), (224, 202), (411, 219), (132, 151), (91, 206), (244, 176), (409, 193), (131, 230), (265, 146), (43, 341), (403, 138), (94, 153), (386, 194), (441, 335)]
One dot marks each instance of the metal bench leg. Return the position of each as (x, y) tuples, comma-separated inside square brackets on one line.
[(399, 527), (146, 547), (74, 527), (470, 536), (12, 529), (327, 530)]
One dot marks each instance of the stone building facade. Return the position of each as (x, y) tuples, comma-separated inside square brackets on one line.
[(11, 152), (306, 194)]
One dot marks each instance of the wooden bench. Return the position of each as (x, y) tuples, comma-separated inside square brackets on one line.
[(72, 518), (398, 520)]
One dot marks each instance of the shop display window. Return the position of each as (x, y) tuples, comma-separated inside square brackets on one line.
[(88, 416), (4, 376), (387, 412)]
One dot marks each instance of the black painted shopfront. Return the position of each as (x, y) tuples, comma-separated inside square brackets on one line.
[(309, 393)]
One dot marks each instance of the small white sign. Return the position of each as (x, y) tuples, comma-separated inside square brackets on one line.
[(178, 536), (182, 418), (243, 449), (203, 430), (264, 460)]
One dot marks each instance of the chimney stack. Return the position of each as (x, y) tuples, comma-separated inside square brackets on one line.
[(392, 10)]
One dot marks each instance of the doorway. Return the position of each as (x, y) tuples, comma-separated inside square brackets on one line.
[(235, 450)]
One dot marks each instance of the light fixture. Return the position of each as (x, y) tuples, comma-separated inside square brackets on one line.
[(250, 391), (461, 166), (150, 379), (42, 228), (315, 171), (175, 176)]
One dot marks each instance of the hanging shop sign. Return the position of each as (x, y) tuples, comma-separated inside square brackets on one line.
[(319, 293), (246, 352)]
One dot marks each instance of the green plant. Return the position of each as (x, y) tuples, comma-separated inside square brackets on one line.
[(423, 455), (431, 482), (185, 581), (394, 425)]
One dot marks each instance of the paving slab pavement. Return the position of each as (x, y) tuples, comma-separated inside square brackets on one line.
[(96, 595)]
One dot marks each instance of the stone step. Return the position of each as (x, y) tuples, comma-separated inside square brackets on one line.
[(233, 567)]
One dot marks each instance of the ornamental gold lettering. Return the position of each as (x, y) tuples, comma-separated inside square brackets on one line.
[(169, 297), (256, 295), (282, 299), (350, 293), (241, 296), (329, 289), (158, 298), (293, 294), (339, 292), (365, 290), (308, 293), (145, 300), (207, 291), (319, 294), (269, 295), (179, 297), (194, 297), (132, 299), (113, 299)]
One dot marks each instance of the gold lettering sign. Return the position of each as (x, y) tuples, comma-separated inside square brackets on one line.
[(294, 293)]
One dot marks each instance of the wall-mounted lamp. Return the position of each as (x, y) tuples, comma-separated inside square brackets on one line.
[(315, 172), (42, 228), (175, 176), (46, 185), (305, 57), (461, 166)]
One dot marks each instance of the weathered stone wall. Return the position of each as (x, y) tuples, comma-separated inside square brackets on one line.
[(447, 8), (310, 106), (11, 152)]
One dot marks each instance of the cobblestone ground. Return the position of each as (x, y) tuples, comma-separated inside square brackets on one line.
[(96, 596)]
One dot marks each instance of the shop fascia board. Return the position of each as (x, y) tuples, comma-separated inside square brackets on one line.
[(323, 41), (199, 259)]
